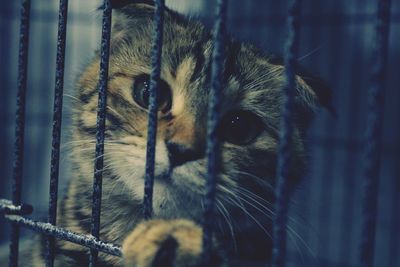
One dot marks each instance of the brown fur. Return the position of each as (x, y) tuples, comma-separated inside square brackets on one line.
[(247, 172)]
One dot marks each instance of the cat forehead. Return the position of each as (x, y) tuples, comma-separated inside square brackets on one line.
[(250, 83), (189, 59), (250, 79)]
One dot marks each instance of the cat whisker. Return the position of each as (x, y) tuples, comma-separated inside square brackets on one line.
[(247, 198), (302, 241), (90, 149), (81, 141), (73, 98), (256, 199), (241, 206), (251, 197), (258, 179), (310, 53), (294, 241), (115, 165), (90, 144), (269, 215), (224, 212), (71, 145)]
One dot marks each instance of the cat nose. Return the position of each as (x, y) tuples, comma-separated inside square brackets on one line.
[(179, 154)]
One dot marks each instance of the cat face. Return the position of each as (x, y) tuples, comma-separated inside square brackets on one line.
[(248, 128)]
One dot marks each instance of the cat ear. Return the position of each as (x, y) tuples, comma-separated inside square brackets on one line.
[(129, 17), (133, 18), (116, 4), (311, 94), (125, 11)]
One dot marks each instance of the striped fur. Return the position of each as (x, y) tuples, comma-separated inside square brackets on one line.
[(252, 82)]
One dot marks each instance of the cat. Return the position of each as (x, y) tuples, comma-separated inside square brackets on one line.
[(248, 128)]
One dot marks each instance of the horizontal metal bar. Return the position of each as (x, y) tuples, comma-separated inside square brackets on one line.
[(58, 232), (7, 207)]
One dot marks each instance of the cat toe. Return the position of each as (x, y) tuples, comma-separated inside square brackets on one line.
[(163, 243)]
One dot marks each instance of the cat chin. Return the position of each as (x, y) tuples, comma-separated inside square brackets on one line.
[(177, 192), (170, 202), (173, 196)]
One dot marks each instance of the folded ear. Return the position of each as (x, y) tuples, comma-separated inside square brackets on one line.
[(312, 93), (122, 3), (132, 18)]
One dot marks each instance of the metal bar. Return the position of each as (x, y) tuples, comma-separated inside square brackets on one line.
[(285, 136), (153, 108), (101, 121), (213, 142), (20, 124), (7, 207), (373, 134), (49, 229), (57, 117)]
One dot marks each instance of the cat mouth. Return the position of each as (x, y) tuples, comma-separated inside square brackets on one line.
[(164, 176)]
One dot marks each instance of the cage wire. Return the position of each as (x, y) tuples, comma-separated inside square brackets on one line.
[(379, 147)]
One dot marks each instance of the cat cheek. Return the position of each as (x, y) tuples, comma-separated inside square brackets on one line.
[(189, 177), (161, 160)]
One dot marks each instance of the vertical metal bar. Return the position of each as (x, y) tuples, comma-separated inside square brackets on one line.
[(373, 134), (57, 117), (101, 122), (285, 137), (20, 124), (213, 142), (153, 108)]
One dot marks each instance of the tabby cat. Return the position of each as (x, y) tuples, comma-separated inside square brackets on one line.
[(252, 97)]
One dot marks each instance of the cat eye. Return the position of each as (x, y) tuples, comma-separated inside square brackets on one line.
[(240, 127), (141, 93)]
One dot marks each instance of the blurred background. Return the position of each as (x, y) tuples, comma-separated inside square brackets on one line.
[(336, 44)]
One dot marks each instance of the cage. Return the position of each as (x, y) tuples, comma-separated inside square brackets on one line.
[(336, 43)]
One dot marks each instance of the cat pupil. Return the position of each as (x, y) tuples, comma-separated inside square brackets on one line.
[(141, 93), (145, 93), (240, 127)]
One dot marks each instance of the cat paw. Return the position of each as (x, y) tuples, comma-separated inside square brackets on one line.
[(163, 243)]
